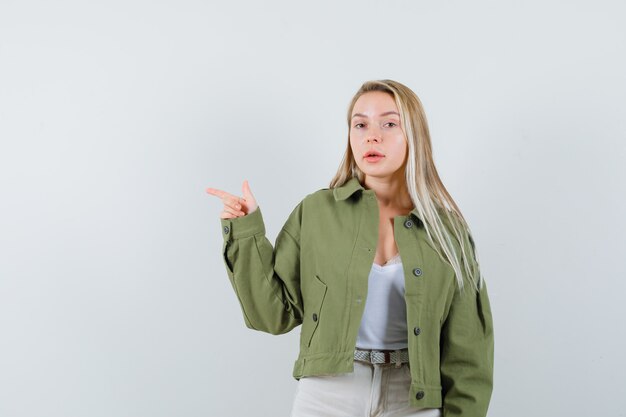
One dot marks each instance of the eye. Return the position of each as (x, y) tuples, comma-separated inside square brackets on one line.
[(391, 123), (357, 125)]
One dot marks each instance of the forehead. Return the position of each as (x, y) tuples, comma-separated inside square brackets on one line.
[(374, 103)]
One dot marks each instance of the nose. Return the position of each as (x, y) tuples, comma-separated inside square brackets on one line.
[(374, 136)]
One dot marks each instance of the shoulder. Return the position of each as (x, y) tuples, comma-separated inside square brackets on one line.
[(317, 205), (459, 231), (313, 205), (450, 219), (312, 201), (319, 197)]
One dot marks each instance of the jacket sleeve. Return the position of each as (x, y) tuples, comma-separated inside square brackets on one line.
[(266, 279), (467, 351)]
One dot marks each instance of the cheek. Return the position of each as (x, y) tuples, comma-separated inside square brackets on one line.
[(353, 141), (401, 151)]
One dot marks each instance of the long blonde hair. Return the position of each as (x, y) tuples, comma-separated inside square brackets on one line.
[(440, 215)]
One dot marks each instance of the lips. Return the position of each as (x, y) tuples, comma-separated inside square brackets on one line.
[(372, 153)]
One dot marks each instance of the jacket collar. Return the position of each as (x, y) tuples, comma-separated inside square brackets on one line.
[(346, 190), (353, 185)]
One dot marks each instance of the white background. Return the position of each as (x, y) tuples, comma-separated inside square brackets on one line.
[(115, 116)]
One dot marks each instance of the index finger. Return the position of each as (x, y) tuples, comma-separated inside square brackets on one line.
[(221, 194)]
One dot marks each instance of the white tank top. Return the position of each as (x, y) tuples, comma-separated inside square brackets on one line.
[(383, 325)]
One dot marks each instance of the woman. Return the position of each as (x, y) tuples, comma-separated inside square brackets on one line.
[(380, 270)]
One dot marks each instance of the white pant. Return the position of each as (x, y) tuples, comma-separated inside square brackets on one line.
[(371, 390)]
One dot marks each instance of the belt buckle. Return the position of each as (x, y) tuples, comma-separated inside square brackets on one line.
[(393, 356)]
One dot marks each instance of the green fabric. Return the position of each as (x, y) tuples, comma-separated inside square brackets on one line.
[(316, 275)]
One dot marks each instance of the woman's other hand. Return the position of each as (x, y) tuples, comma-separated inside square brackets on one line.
[(235, 206)]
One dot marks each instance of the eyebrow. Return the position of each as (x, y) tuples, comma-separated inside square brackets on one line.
[(382, 114)]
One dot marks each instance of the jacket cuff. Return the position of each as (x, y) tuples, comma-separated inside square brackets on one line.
[(244, 226)]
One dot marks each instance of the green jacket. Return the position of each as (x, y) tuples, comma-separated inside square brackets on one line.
[(317, 274)]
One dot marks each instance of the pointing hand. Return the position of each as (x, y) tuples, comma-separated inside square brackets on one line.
[(235, 206)]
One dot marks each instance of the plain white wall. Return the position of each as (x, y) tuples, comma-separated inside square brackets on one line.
[(115, 116)]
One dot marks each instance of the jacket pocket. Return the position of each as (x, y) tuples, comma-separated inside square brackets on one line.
[(313, 306), (229, 266)]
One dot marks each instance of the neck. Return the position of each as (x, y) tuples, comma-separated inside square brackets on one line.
[(391, 192)]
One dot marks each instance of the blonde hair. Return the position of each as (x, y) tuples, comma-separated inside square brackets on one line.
[(440, 215)]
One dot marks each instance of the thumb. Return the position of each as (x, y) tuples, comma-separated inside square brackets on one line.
[(247, 193)]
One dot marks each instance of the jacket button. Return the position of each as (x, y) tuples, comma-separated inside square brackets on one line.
[(419, 395), (408, 224), (314, 316), (417, 331), (226, 229), (417, 272)]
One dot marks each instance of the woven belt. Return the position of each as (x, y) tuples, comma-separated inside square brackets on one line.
[(382, 356)]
